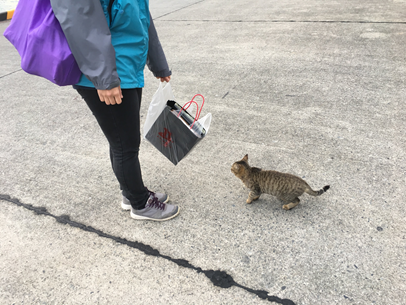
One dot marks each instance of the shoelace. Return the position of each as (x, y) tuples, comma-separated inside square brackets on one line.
[(155, 203)]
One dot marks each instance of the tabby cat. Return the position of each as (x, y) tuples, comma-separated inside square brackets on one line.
[(285, 187)]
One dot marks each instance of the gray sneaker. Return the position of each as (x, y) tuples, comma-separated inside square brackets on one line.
[(155, 210), (126, 204)]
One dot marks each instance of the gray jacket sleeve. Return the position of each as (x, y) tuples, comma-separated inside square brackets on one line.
[(156, 60), (87, 32)]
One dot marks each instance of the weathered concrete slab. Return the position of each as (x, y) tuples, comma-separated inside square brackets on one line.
[(322, 100)]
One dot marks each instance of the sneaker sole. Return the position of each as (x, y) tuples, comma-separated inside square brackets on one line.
[(137, 217), (127, 207)]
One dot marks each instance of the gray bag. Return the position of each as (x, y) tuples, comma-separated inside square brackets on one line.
[(175, 132)]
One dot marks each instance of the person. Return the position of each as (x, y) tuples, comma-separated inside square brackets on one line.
[(112, 41)]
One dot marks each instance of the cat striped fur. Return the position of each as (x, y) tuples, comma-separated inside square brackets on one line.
[(285, 187)]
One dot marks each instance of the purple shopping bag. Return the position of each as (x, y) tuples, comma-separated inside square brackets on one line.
[(38, 37)]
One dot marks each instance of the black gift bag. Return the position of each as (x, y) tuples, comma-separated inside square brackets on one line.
[(176, 132)]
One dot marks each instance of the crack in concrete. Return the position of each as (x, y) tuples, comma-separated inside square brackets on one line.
[(3, 76), (286, 21), (217, 277), (155, 18)]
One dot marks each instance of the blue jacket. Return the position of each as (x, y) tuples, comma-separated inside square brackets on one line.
[(111, 41)]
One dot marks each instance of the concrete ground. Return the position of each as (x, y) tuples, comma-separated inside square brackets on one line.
[(313, 88)]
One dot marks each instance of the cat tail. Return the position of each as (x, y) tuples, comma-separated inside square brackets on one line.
[(317, 193)]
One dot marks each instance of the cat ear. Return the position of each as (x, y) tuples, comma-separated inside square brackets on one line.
[(245, 158)]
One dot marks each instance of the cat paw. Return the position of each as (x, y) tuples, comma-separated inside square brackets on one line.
[(249, 201), (286, 207)]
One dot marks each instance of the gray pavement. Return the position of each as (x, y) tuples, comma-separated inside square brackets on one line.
[(307, 87)]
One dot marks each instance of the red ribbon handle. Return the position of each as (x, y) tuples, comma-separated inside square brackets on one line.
[(198, 110)]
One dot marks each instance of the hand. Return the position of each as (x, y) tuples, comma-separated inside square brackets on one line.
[(164, 79), (112, 96)]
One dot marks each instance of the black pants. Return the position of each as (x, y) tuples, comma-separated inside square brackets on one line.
[(121, 126)]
